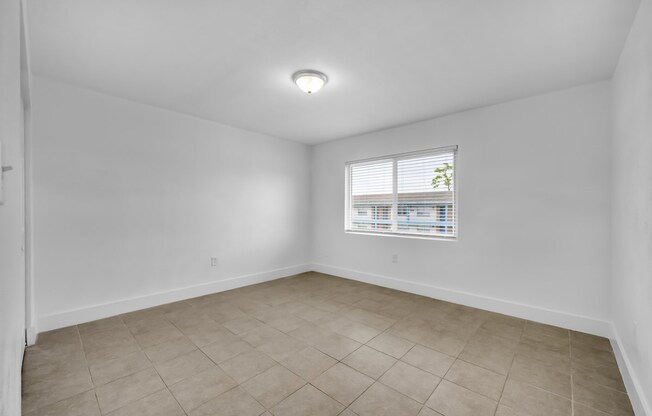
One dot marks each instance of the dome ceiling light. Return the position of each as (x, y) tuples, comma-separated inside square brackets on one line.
[(309, 81)]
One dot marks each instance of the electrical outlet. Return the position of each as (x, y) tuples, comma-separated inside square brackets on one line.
[(213, 261), (394, 258)]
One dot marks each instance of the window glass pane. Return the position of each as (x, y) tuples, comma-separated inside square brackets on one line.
[(426, 194), (371, 196)]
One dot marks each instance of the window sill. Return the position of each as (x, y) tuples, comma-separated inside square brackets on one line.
[(400, 235)]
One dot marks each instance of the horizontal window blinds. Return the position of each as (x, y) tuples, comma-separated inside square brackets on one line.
[(408, 194)]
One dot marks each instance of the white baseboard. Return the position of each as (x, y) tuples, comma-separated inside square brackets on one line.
[(31, 335), (532, 313), (105, 310), (636, 393)]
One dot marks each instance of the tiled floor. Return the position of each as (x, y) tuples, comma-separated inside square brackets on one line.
[(315, 345)]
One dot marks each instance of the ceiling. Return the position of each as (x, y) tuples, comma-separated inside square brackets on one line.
[(390, 62)]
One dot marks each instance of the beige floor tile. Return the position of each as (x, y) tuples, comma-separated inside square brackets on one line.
[(240, 325), (428, 412), (369, 304), (282, 348), (173, 307), (351, 329), (582, 410), (598, 397), (183, 366), (141, 321), (555, 354), (493, 353), (371, 319), (220, 352), (589, 355), (235, 402), (261, 335), (335, 345), (463, 327), (119, 367), (309, 363), (112, 323), (106, 339), (160, 403), (286, 323), (534, 401), (206, 333), (169, 350), (123, 391), (102, 353), (244, 366), (410, 328), (390, 344), (44, 392), (58, 347), (307, 401), (444, 340), (342, 383), (369, 361), (48, 365), (411, 381), (504, 329), (591, 340), (314, 315), (61, 336), (273, 385), (536, 329), (221, 313), (396, 311), (427, 359), (477, 379), (548, 376), (200, 388), (84, 404), (157, 335), (508, 411), (607, 375), (452, 400), (308, 333), (380, 400)]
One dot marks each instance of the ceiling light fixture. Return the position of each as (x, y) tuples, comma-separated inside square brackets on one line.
[(309, 81)]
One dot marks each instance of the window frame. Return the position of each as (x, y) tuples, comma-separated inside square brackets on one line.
[(394, 158)]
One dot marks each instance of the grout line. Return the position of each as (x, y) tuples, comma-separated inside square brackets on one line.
[(153, 367), (502, 392)]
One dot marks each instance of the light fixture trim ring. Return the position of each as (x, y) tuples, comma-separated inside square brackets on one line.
[(312, 73)]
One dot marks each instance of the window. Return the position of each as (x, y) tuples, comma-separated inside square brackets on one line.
[(407, 194)]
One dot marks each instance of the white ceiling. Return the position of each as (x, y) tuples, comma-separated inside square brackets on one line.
[(390, 62)]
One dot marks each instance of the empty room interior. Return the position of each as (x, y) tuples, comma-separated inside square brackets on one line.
[(322, 208)]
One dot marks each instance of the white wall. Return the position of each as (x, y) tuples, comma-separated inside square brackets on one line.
[(534, 210), (12, 265), (632, 203), (131, 201)]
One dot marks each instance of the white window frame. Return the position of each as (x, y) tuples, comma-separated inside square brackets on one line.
[(395, 158)]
